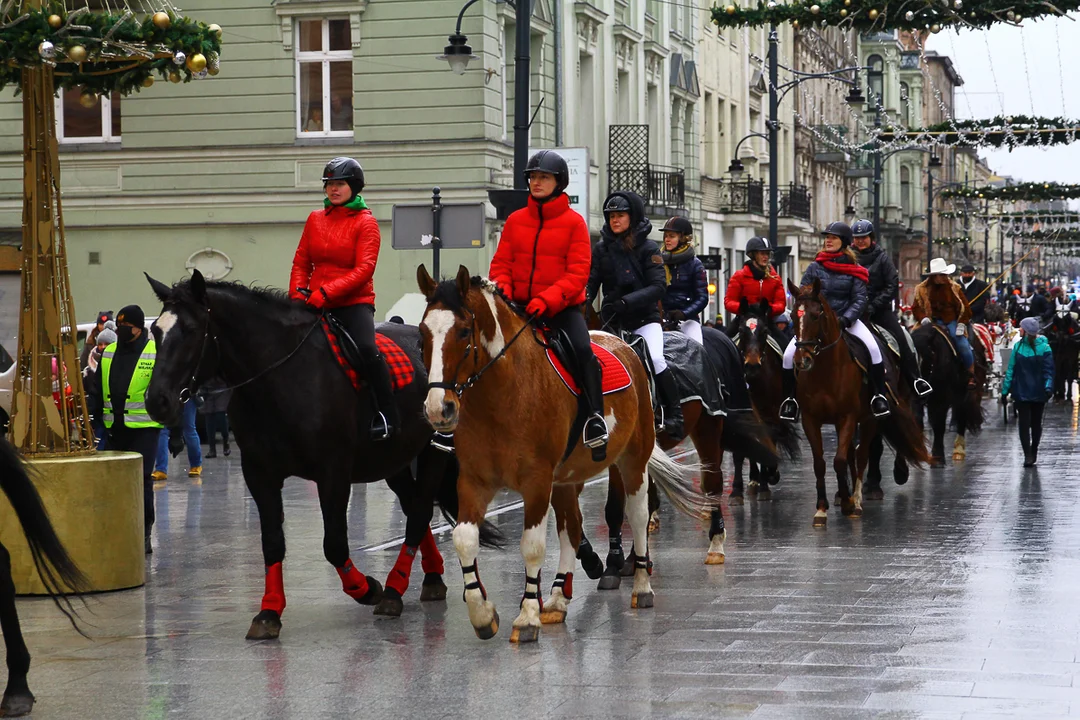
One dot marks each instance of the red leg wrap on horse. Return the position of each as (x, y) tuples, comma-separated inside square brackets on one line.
[(568, 586), (274, 595), (398, 579), (431, 559), (353, 581)]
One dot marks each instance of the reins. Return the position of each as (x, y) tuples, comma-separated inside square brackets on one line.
[(459, 388), (815, 346)]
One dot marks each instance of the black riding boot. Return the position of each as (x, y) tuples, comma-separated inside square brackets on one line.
[(384, 421), (595, 434), (670, 402), (789, 409), (879, 404)]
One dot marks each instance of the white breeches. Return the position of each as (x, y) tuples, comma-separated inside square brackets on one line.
[(654, 340), (692, 330), (858, 330)]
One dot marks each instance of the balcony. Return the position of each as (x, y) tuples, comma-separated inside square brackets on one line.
[(794, 201), (730, 196), (829, 144), (662, 188)]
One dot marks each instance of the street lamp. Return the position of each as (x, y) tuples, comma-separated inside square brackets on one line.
[(458, 53), (735, 168), (850, 209)]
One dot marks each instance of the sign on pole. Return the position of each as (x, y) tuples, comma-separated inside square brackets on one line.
[(461, 227), (577, 162)]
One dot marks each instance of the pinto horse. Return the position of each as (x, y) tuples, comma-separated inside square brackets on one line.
[(511, 415), (941, 367), (294, 413), (831, 390)]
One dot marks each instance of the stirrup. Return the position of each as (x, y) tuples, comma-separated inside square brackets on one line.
[(922, 388), (883, 399), (380, 428), (443, 441), (789, 410), (596, 442)]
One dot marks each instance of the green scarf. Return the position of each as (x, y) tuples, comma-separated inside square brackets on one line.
[(357, 203)]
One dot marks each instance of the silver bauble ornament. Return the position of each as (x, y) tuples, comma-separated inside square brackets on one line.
[(179, 58), (46, 50), (909, 16), (201, 75), (958, 4)]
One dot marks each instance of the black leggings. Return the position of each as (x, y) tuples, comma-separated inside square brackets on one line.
[(572, 322), (1030, 415), (359, 320)]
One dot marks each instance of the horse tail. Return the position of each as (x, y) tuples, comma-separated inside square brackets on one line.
[(746, 434), (786, 438), (677, 482), (447, 498), (972, 408), (57, 570), (904, 435)]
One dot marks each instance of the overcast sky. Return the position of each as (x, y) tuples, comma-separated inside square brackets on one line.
[(1007, 70)]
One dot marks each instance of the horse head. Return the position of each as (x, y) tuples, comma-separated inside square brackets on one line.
[(461, 333), (816, 326), (753, 335), (180, 334)]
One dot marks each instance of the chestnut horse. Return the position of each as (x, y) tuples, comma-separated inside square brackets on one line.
[(831, 390), (491, 385)]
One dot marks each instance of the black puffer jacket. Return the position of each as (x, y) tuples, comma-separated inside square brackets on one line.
[(884, 281), (845, 294), (633, 280)]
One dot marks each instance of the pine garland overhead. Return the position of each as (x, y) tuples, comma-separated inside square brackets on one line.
[(1009, 131), (1022, 192), (957, 240), (104, 52), (870, 16)]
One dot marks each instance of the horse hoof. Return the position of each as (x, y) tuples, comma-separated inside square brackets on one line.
[(527, 634), (641, 601), (17, 704), (774, 478), (265, 626), (488, 631), (764, 496), (609, 581), (374, 593), (958, 457), (752, 487), (390, 605), (937, 463), (714, 558), (873, 494), (433, 590), (821, 519), (854, 513), (592, 566), (552, 617), (735, 500), (654, 524)]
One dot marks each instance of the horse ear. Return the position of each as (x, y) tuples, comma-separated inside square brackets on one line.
[(464, 280), (816, 287), (765, 308), (163, 291), (425, 282), (792, 288), (198, 286)]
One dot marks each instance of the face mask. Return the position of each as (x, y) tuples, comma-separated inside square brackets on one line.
[(125, 334)]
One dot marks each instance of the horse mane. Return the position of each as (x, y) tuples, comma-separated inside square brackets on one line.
[(447, 293), (254, 298)]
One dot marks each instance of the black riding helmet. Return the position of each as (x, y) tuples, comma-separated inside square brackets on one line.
[(552, 162), (758, 244), (840, 230), (679, 225), (347, 169), (627, 202), (862, 228)]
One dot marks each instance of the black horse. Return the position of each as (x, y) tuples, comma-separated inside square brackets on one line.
[(1064, 336), (54, 566), (942, 368), (294, 413)]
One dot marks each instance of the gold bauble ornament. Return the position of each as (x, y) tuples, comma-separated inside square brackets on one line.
[(55, 21), (847, 3), (174, 77), (843, 12), (815, 9), (148, 81), (935, 28), (162, 20), (88, 100), (873, 14), (795, 24), (76, 53), (216, 29), (196, 63), (213, 69), (730, 9)]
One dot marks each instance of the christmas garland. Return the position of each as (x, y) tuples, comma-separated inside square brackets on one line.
[(1050, 236), (1009, 131), (871, 16), (1021, 192), (956, 240), (102, 53)]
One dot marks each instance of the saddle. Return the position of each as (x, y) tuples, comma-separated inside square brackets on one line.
[(891, 342), (615, 376), (986, 339), (343, 348)]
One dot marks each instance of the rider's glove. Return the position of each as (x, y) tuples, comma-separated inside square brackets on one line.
[(317, 299), (961, 329), (924, 321), (845, 323), (536, 306), (620, 307)]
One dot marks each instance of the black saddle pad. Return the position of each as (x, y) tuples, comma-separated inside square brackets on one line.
[(694, 373), (726, 359)]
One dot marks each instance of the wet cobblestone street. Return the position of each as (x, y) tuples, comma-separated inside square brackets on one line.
[(955, 597)]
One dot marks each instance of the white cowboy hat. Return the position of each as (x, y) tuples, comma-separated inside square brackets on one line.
[(938, 266)]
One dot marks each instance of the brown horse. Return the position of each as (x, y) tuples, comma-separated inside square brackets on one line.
[(492, 386), (831, 391)]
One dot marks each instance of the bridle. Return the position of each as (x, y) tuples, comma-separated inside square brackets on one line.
[(472, 349), (816, 346)]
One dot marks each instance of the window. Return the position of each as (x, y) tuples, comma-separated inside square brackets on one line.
[(324, 78), (905, 98), (90, 123), (876, 79), (905, 190)]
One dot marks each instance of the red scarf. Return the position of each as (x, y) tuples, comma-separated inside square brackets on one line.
[(829, 260)]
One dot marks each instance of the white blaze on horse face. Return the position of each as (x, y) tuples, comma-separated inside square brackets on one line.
[(439, 323), (165, 322)]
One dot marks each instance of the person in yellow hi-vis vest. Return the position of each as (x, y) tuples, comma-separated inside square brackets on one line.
[(116, 394)]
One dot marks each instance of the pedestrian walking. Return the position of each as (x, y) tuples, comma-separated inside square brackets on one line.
[(1030, 380), (190, 436), (975, 290), (216, 396), (104, 339), (117, 395), (100, 323)]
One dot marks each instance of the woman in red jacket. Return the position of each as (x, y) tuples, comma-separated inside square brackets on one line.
[(755, 281), (334, 269), (543, 262)]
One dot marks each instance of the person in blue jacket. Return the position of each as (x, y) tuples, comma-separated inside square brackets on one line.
[(687, 292), (1030, 379)]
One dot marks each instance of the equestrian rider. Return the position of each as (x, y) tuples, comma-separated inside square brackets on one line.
[(687, 292), (334, 269), (543, 263), (755, 280), (940, 300), (882, 289), (843, 285), (976, 292), (631, 270)]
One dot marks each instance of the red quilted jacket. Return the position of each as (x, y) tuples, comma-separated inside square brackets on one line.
[(743, 284), (545, 251), (338, 252)]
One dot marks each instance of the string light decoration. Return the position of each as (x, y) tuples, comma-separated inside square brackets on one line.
[(955, 240), (1021, 192), (1010, 131)]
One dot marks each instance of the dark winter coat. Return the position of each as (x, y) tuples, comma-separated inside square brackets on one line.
[(845, 294), (1030, 377), (978, 307), (884, 281), (633, 280), (215, 396), (1041, 308), (688, 289)]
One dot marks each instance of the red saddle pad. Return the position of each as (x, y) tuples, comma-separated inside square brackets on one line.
[(987, 340), (402, 372), (616, 376)]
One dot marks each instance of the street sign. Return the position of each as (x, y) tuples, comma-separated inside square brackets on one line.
[(711, 262), (461, 227), (577, 162)]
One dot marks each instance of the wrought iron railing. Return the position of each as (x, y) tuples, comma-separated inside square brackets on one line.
[(659, 186), (745, 196), (794, 201)]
